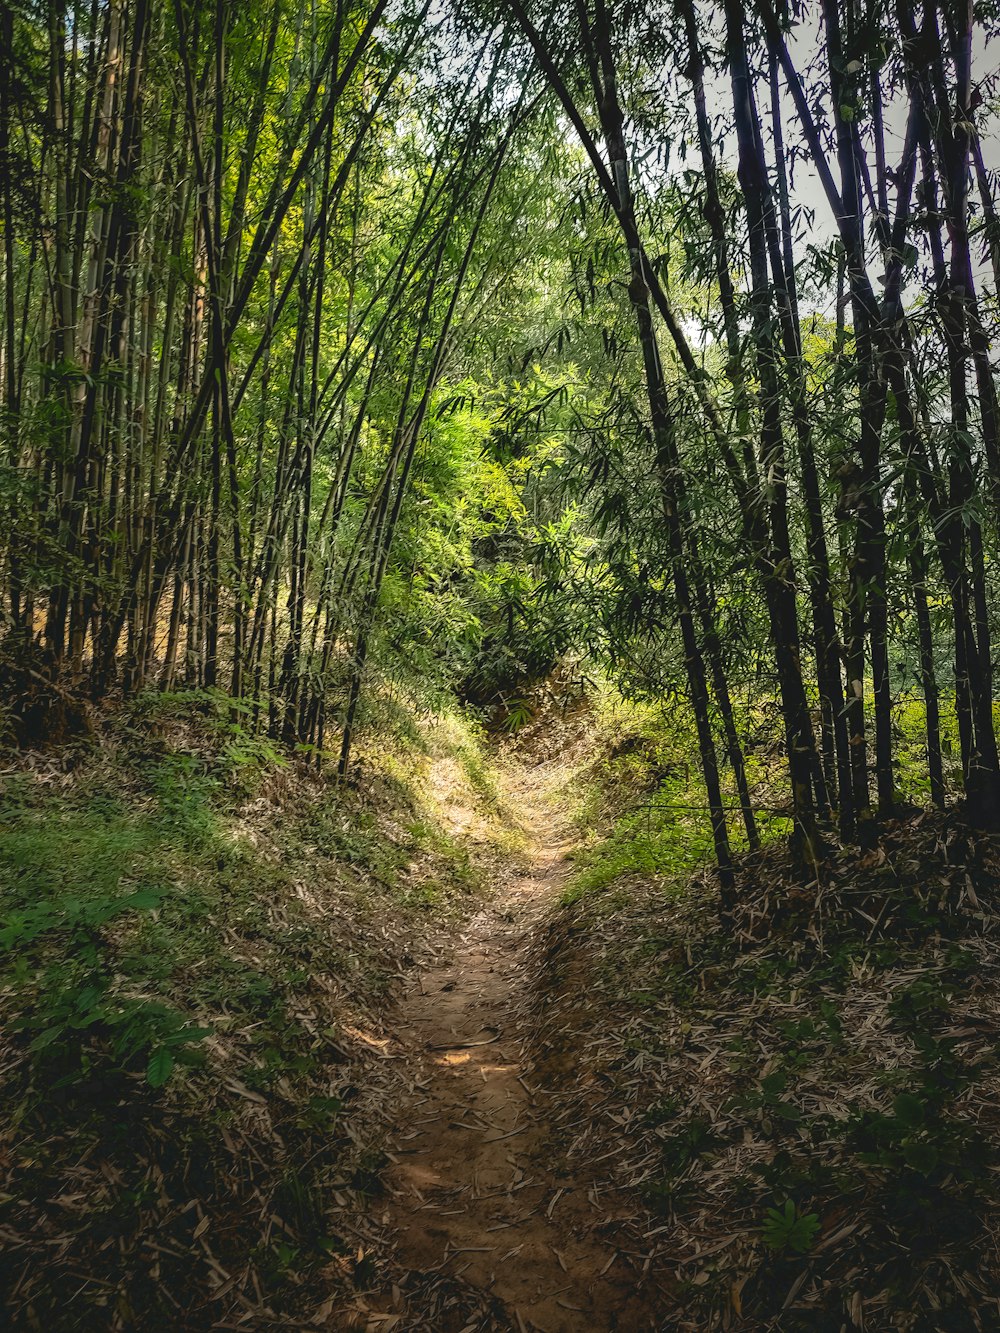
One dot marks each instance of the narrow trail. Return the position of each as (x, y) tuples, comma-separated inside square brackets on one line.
[(476, 1194)]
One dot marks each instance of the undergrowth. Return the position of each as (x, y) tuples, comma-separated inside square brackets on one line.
[(639, 800), (200, 936), (805, 1097)]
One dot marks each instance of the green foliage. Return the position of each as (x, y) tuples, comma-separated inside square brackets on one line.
[(633, 849), (919, 1132), (692, 1139), (909, 720), (69, 902), (787, 1228), (518, 713), (768, 1098), (642, 803)]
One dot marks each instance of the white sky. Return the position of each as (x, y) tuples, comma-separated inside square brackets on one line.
[(808, 190)]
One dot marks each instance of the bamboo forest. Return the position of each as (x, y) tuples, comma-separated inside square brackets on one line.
[(499, 627)]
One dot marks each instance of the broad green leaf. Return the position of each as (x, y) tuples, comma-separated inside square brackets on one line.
[(160, 1067)]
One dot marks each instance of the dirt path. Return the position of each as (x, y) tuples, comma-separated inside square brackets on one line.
[(476, 1195)]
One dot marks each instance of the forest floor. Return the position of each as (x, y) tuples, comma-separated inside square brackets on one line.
[(464, 1047), (624, 1114)]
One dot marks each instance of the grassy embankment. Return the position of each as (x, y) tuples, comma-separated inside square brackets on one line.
[(201, 941)]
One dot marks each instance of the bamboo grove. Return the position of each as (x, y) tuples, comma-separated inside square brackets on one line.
[(228, 235), (724, 275), (919, 457)]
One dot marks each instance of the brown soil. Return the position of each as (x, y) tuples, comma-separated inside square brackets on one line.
[(491, 1230)]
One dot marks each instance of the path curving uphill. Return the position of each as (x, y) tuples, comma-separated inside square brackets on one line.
[(491, 1233)]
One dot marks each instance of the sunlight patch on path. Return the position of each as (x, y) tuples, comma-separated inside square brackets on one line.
[(477, 1193)]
